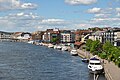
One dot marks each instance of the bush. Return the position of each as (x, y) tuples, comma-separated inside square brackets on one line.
[(83, 47), (103, 55), (87, 49)]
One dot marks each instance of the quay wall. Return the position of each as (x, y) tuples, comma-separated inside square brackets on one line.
[(112, 72)]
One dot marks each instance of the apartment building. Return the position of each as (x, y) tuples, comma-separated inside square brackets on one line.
[(67, 36), (5, 35), (113, 36), (51, 34)]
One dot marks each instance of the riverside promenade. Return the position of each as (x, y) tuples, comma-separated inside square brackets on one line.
[(112, 72)]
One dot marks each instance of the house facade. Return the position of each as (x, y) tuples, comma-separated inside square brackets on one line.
[(113, 36), (67, 36), (5, 35), (82, 35), (37, 35), (98, 35), (22, 36), (51, 35)]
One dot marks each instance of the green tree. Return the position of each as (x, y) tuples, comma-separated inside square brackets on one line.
[(96, 47), (88, 44), (107, 47), (54, 40)]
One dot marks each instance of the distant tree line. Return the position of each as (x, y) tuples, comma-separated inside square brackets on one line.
[(105, 51)]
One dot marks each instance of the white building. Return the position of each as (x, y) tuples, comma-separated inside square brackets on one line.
[(98, 35), (113, 36), (5, 35), (67, 37)]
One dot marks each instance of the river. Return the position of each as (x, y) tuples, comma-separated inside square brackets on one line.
[(22, 61)]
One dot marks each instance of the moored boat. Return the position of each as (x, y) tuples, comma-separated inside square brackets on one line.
[(50, 45), (30, 42), (64, 48), (95, 65), (73, 52), (58, 47), (85, 60)]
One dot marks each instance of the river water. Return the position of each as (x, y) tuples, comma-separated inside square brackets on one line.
[(22, 61)]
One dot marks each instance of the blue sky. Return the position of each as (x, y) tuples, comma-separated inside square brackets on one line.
[(34, 15)]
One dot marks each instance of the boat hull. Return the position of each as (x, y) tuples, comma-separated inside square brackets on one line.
[(74, 54), (100, 71), (85, 60)]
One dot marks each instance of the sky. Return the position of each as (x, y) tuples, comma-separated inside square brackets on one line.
[(39, 15)]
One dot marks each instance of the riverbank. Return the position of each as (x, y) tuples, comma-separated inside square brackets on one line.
[(112, 72)]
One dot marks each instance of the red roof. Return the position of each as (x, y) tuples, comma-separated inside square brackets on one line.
[(78, 43)]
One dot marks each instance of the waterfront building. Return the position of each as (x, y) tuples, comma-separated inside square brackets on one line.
[(5, 35), (37, 35), (80, 38), (113, 36), (66, 36), (22, 36), (51, 35), (81, 35), (97, 36)]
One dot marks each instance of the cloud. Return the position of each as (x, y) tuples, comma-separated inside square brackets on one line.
[(54, 22), (118, 9), (94, 10), (102, 15), (79, 2), (20, 22), (15, 4), (118, 15), (109, 22), (30, 22)]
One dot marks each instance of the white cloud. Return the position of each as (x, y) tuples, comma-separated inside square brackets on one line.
[(54, 22), (102, 15), (28, 6), (94, 10), (83, 26), (19, 22), (105, 17), (30, 22), (79, 2), (15, 4), (20, 14), (118, 9), (110, 22), (118, 14)]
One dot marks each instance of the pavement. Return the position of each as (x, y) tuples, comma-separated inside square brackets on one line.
[(112, 72)]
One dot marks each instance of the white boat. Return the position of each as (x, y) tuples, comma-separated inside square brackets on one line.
[(59, 47), (64, 48), (30, 42), (55, 47), (41, 44), (73, 52), (85, 60), (95, 65)]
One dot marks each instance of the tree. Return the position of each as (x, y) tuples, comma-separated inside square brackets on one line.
[(88, 44), (96, 47), (54, 40), (107, 47)]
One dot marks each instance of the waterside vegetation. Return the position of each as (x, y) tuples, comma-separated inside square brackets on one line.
[(105, 51)]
